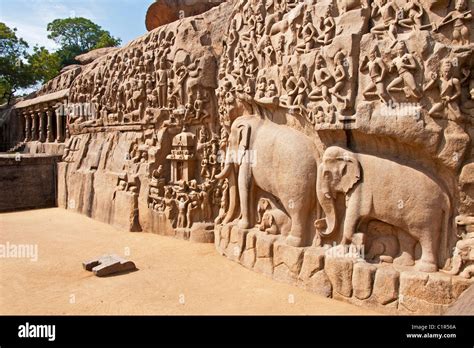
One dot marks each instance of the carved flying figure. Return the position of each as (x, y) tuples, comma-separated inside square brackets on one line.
[(386, 12), (459, 16), (341, 77), (405, 65), (377, 72), (450, 93)]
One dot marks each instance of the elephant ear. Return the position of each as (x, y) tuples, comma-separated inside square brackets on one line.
[(350, 173), (244, 141)]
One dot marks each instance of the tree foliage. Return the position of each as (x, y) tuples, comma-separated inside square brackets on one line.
[(15, 72), (20, 69), (45, 65), (78, 35)]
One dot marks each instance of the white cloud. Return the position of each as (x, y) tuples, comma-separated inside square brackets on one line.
[(35, 15)]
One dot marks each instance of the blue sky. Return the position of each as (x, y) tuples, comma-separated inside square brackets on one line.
[(122, 18)]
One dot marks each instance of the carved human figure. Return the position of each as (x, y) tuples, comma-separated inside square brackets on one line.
[(377, 72), (204, 197), (450, 93), (162, 84), (327, 27), (291, 86), (280, 49), (251, 63), (462, 262), (308, 34), (193, 206), (302, 86), (272, 89), (460, 15), (405, 65), (340, 76), (199, 106), (269, 53), (224, 202), (182, 203), (261, 87), (412, 15), (387, 11), (321, 80)]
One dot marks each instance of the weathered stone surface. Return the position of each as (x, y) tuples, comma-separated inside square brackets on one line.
[(282, 273), (182, 233), (386, 285), (320, 284), (290, 256), (339, 272), (162, 12), (225, 235), (363, 279), (264, 245), (248, 258), (264, 265), (108, 264), (27, 182), (434, 288), (273, 79), (313, 261), (251, 240), (202, 233), (464, 304), (238, 236), (125, 211), (460, 285), (90, 56)]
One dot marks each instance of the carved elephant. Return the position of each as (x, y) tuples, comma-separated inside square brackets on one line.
[(380, 189), (278, 160)]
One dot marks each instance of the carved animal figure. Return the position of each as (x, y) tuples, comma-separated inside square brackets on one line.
[(280, 161), (381, 189)]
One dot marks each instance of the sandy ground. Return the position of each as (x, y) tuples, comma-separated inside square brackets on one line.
[(174, 277)]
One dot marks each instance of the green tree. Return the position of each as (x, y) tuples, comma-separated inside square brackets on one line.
[(78, 35), (44, 65), (15, 72)]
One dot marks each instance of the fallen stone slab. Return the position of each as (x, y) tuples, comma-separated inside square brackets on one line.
[(108, 265)]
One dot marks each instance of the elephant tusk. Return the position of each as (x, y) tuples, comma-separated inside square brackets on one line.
[(327, 195)]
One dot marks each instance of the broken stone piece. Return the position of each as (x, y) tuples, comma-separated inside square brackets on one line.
[(108, 264)]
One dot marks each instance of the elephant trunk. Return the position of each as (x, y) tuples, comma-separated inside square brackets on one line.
[(328, 202), (225, 172), (329, 208)]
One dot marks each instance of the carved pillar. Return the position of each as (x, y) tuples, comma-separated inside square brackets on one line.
[(27, 127), (59, 128), (42, 131), (34, 128), (49, 134)]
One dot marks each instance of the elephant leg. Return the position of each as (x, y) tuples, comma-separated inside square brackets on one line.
[(429, 243), (299, 221), (407, 250), (350, 227), (244, 193)]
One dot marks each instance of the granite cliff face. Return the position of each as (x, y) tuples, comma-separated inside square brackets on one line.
[(325, 144)]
